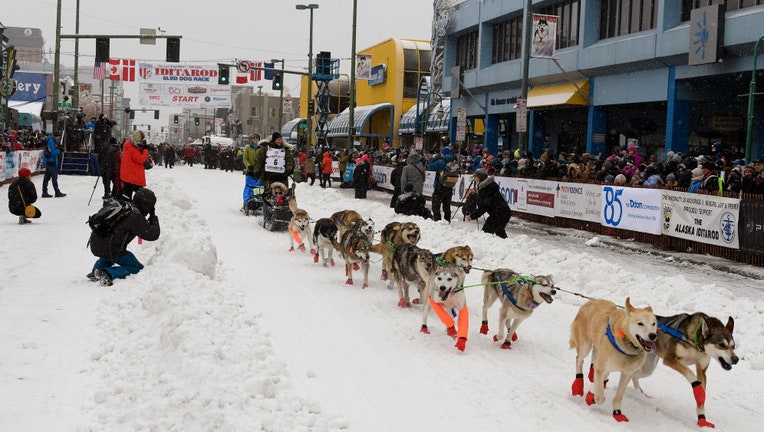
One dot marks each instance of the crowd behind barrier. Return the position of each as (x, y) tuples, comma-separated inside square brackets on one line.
[(723, 223)]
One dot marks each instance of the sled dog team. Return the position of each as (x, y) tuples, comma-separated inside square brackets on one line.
[(626, 339)]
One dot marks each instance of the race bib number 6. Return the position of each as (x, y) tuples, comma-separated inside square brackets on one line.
[(275, 160)]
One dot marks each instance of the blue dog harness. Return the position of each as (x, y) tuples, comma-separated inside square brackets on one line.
[(518, 280)]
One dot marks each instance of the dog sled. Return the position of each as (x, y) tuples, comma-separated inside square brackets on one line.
[(276, 212), (253, 196)]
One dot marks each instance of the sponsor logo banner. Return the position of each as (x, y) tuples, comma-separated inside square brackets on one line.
[(578, 201), (631, 209), (701, 218)]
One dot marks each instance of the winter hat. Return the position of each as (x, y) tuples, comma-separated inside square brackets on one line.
[(609, 178), (670, 177), (275, 136), (446, 151), (408, 187), (365, 158), (138, 137), (620, 179), (697, 174), (145, 200), (670, 155), (24, 172), (481, 174), (358, 160), (413, 158)]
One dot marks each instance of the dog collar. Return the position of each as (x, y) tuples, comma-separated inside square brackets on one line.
[(613, 342)]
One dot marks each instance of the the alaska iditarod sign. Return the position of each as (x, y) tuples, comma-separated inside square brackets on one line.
[(181, 85)]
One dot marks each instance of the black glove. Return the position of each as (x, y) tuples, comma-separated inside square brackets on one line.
[(250, 170)]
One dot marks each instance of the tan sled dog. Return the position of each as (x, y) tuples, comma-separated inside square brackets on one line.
[(461, 256), (692, 339), (620, 340), (345, 219)]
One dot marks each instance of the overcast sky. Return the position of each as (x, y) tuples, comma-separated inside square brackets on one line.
[(224, 30)]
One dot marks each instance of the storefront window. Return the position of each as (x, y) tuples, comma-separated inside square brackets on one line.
[(567, 23), (466, 50), (620, 17), (689, 5), (507, 40)]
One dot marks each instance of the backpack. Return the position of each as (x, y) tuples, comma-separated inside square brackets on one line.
[(113, 211), (450, 175)]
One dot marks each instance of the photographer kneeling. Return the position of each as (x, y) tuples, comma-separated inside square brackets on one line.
[(490, 200), (114, 260)]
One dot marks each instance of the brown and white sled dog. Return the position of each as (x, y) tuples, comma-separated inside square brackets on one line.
[(443, 292), (394, 234), (461, 256), (685, 340), (299, 227), (519, 296), (411, 264), (325, 239), (345, 219), (620, 340), (355, 247)]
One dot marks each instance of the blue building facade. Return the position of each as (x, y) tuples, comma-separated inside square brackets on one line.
[(663, 75)]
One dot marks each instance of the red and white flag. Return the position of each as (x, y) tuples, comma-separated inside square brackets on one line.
[(122, 69), (99, 70), (255, 74)]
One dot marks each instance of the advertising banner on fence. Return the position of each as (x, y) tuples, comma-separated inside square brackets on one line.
[(701, 218), (752, 227), (528, 195), (182, 85), (578, 201), (631, 209)]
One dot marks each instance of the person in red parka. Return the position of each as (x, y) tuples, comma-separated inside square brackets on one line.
[(132, 172), (326, 170)]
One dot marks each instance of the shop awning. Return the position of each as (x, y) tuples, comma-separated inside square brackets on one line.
[(26, 107), (558, 94), (409, 122), (340, 126), (290, 130), (436, 124)]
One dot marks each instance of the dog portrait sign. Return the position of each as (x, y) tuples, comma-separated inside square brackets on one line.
[(544, 35)]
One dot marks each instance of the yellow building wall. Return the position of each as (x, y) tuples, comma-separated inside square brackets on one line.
[(389, 53)]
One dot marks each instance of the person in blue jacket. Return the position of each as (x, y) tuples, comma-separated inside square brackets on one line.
[(50, 160)]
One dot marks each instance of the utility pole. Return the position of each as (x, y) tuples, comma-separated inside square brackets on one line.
[(522, 137), (76, 95), (57, 65), (351, 108)]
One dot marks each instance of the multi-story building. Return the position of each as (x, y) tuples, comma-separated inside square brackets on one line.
[(666, 75)]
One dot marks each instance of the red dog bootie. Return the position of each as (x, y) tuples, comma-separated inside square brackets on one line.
[(315, 257), (577, 389), (702, 422), (619, 417), (484, 327), (590, 398), (451, 331), (424, 329), (461, 343), (699, 392)]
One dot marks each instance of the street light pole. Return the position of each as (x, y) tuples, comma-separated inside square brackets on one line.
[(309, 134), (751, 93)]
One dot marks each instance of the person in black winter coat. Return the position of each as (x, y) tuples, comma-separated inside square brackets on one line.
[(395, 180), (412, 204), (361, 177), (490, 200), (114, 260), (22, 193)]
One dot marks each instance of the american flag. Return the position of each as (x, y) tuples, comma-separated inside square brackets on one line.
[(99, 71)]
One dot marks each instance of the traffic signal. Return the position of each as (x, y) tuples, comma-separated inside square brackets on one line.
[(278, 81), (102, 50), (173, 50), (223, 74), (196, 121), (175, 119)]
